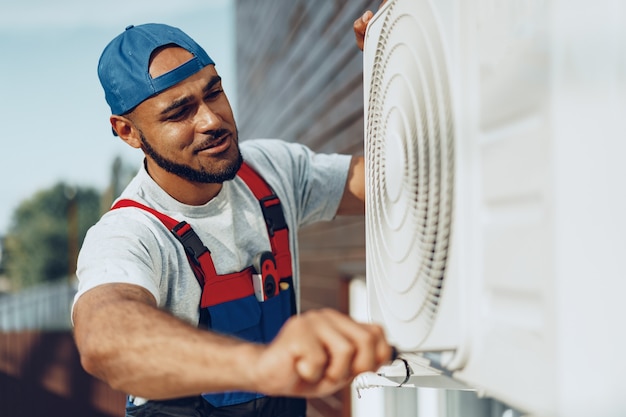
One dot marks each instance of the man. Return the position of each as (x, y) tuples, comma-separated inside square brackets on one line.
[(146, 317)]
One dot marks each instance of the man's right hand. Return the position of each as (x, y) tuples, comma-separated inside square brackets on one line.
[(317, 353)]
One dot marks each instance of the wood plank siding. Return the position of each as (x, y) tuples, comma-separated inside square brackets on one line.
[(299, 78), (41, 375)]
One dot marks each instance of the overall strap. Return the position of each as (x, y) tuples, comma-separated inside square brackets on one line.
[(199, 255), (274, 218)]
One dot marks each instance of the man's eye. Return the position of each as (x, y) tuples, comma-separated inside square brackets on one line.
[(214, 94), (179, 115)]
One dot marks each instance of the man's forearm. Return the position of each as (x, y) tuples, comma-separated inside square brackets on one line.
[(141, 350)]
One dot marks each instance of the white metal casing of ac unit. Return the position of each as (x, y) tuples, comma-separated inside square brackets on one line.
[(530, 310)]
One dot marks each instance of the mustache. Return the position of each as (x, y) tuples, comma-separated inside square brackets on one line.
[(212, 136)]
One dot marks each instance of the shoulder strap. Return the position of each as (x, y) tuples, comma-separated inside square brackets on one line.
[(199, 255), (274, 218)]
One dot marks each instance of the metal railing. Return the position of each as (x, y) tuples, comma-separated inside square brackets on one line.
[(42, 307)]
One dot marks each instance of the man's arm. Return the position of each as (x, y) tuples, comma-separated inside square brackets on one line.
[(125, 340), (353, 199)]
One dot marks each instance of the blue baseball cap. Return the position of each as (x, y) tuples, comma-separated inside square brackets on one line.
[(123, 65)]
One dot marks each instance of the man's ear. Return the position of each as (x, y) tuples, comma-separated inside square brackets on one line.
[(126, 130)]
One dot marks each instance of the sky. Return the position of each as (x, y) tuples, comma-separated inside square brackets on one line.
[(52, 110)]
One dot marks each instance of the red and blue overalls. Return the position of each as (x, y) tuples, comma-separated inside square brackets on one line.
[(233, 303)]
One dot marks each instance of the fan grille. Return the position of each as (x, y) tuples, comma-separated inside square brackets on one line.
[(409, 157)]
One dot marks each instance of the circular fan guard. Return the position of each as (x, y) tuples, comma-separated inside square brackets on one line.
[(409, 164)]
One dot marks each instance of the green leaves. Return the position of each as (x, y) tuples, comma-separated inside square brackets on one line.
[(46, 232)]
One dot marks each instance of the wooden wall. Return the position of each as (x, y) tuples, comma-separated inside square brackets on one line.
[(299, 78), (41, 375)]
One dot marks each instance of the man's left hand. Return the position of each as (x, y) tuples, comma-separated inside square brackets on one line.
[(360, 25)]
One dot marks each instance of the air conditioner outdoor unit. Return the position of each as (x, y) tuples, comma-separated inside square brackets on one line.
[(496, 205)]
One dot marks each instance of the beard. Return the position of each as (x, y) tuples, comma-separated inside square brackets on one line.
[(188, 173)]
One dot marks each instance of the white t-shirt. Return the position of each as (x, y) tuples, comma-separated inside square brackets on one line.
[(130, 245)]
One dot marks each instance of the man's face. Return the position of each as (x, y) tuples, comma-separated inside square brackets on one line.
[(188, 130)]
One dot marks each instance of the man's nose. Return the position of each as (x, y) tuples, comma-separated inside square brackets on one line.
[(207, 119)]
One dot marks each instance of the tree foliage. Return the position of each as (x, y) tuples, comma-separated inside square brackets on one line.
[(46, 232)]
